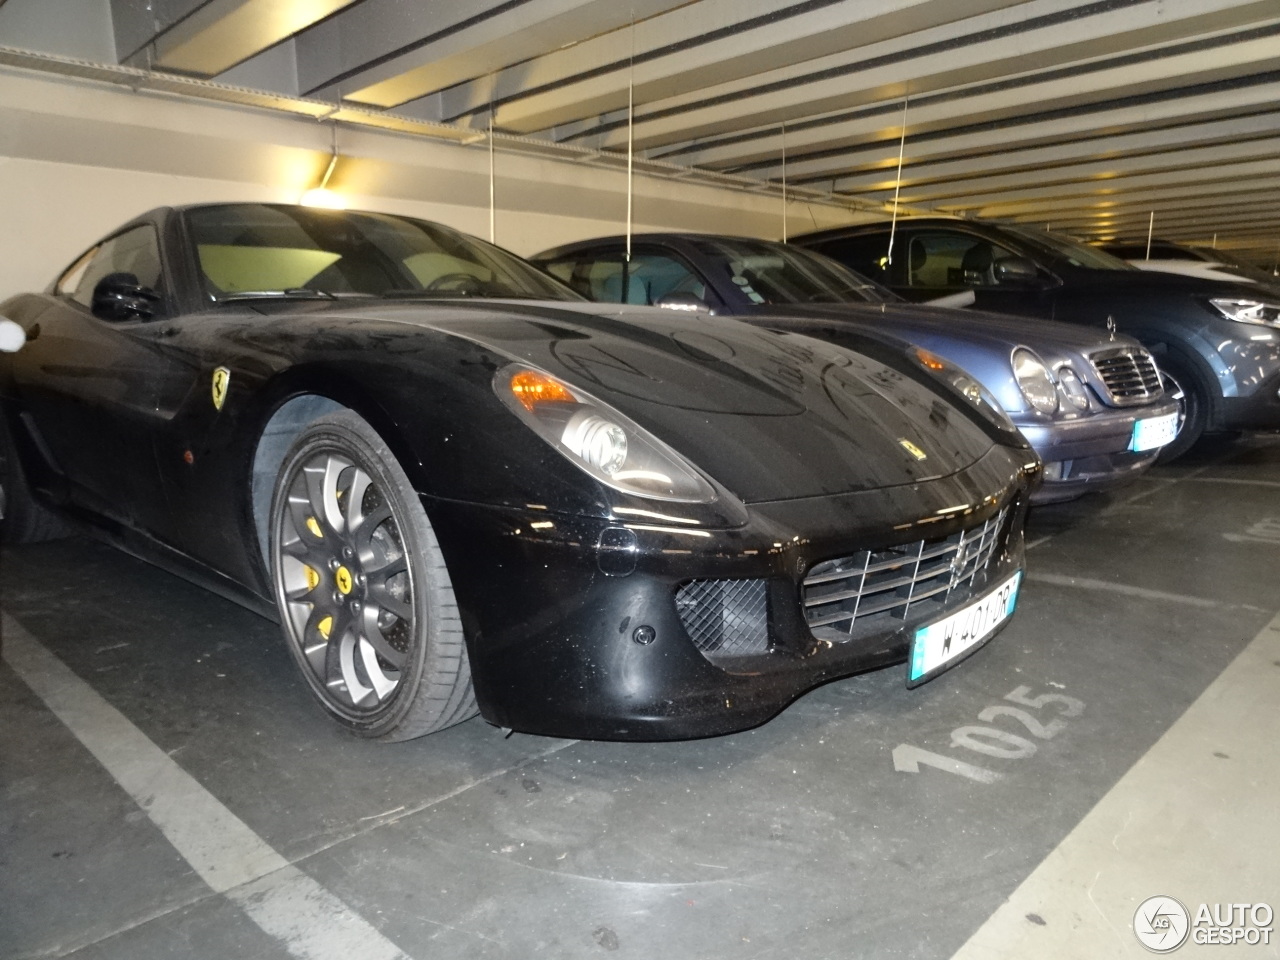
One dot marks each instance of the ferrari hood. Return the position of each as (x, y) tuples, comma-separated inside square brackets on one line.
[(920, 322), (770, 416)]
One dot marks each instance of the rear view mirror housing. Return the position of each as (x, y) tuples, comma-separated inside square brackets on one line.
[(1017, 271), (684, 302), (119, 296)]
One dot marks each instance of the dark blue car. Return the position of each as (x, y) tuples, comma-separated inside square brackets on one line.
[(1217, 341)]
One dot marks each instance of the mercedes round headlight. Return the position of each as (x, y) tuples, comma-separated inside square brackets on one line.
[(1248, 311), (1073, 388), (971, 389), (1034, 380), (598, 439)]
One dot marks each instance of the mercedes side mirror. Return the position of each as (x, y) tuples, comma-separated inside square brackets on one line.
[(119, 296), (685, 302), (1016, 271), (12, 336)]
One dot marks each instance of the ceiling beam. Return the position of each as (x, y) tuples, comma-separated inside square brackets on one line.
[(387, 52), (1055, 204), (1190, 161), (218, 34), (1046, 162), (694, 46), (1041, 34), (864, 149)]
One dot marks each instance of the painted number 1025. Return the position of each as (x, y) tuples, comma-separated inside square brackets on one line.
[(1050, 716)]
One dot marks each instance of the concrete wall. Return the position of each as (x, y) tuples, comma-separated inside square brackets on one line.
[(77, 158)]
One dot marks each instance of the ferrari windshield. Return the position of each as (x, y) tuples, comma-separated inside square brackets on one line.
[(775, 273), (264, 250)]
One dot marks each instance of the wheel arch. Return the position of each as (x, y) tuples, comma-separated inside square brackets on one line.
[(1194, 360), (294, 400)]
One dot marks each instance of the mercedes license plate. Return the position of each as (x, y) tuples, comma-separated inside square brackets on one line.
[(1152, 433)]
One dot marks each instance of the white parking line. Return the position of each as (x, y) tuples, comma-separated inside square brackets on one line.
[(1194, 819), (309, 921), (1243, 483), (1058, 580)]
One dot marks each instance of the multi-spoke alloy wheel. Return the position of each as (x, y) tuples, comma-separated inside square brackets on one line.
[(363, 592)]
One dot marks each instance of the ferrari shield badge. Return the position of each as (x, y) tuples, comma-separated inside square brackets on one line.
[(221, 380), (912, 449)]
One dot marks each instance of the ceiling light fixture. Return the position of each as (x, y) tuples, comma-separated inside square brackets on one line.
[(322, 196)]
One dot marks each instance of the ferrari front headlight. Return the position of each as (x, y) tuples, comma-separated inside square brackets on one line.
[(598, 439), (971, 389)]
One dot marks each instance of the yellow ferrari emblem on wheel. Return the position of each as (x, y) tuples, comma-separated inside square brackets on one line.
[(343, 578), (221, 380)]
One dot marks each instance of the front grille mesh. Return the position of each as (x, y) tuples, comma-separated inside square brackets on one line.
[(848, 597), (843, 596), (725, 617), (1129, 374)]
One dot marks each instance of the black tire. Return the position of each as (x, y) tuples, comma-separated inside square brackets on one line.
[(367, 605), (1181, 382), (22, 519)]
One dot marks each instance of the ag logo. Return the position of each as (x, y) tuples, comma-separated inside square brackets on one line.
[(1161, 924), (221, 380)]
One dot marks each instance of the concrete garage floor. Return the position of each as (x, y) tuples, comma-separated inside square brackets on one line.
[(220, 815)]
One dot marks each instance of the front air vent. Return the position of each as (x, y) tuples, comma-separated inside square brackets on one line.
[(725, 618), (843, 598)]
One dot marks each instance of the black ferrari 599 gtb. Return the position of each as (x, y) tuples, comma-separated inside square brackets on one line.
[(459, 486)]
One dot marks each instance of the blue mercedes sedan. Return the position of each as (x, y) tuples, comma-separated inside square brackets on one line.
[(1091, 404)]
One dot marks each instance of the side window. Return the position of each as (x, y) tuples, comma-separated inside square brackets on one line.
[(135, 251), (951, 260), (653, 276), (70, 279), (608, 278), (868, 254), (596, 278)]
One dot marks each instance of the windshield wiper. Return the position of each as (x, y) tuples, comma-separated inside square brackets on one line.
[(292, 293)]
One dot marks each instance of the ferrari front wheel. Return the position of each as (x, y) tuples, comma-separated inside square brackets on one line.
[(363, 592)]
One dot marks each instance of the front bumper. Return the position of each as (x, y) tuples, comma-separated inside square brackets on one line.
[(1258, 411), (1092, 452), (560, 647)]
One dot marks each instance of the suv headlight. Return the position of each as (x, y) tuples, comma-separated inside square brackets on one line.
[(1247, 311), (598, 439), (1034, 380), (973, 391)]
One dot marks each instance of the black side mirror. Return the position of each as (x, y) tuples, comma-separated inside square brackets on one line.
[(119, 296), (1016, 271), (685, 302)]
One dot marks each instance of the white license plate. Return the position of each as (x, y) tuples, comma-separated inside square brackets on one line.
[(950, 638), (1156, 432)]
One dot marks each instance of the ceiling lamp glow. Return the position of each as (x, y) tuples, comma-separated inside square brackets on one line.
[(322, 197)]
